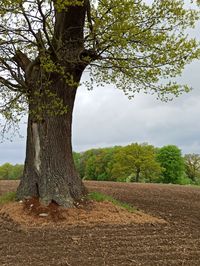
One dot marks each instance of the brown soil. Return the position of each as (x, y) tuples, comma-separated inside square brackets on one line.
[(176, 242)]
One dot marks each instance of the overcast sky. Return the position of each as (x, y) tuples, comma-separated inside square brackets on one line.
[(105, 117)]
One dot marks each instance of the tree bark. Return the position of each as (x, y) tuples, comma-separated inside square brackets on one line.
[(137, 177), (49, 171)]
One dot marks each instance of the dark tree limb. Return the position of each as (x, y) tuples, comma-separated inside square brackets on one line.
[(69, 23), (22, 60), (10, 85), (89, 55)]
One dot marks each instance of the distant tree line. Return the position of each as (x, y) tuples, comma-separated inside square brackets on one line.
[(139, 163), (131, 163)]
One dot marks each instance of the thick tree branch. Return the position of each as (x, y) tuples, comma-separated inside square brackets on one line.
[(69, 23), (22, 60), (10, 85), (89, 55)]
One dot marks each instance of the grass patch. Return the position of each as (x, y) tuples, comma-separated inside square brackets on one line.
[(97, 196), (8, 197), (193, 186)]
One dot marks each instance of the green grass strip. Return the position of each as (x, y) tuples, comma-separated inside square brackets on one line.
[(99, 197), (8, 197)]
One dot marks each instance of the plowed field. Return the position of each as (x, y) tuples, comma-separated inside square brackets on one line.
[(176, 242)]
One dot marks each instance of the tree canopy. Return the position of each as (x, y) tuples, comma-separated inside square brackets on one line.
[(135, 161), (130, 43), (192, 165), (170, 158)]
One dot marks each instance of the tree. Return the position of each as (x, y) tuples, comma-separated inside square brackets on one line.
[(9, 171), (136, 161), (45, 47), (172, 162), (83, 161), (192, 166), (16, 172), (5, 170), (99, 164), (77, 161)]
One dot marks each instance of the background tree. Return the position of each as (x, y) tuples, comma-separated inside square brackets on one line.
[(99, 166), (192, 166), (171, 160), (16, 172), (136, 161), (77, 161), (9, 171), (96, 164), (83, 161), (5, 170), (45, 46)]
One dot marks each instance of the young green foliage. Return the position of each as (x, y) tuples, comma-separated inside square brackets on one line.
[(171, 160), (132, 44), (136, 162)]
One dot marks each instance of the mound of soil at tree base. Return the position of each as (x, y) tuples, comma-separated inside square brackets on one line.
[(30, 213)]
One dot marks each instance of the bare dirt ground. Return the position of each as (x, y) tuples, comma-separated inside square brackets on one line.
[(176, 242)]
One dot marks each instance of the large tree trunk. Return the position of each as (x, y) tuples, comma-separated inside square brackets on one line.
[(49, 171)]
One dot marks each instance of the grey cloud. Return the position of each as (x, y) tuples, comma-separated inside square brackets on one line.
[(105, 117)]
